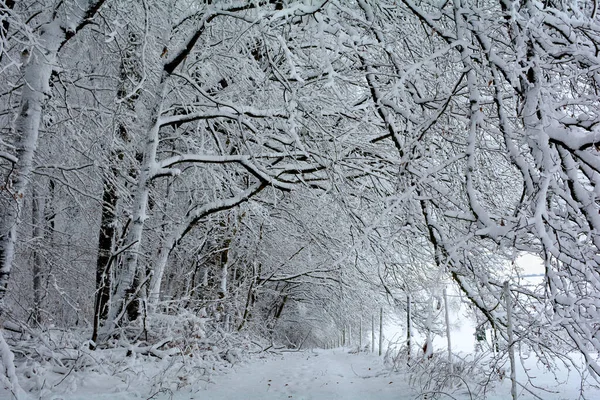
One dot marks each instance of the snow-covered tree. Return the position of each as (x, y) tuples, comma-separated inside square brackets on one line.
[(491, 109)]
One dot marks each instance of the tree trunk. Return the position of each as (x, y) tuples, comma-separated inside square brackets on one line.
[(360, 333), (104, 261), (158, 272), (249, 304), (38, 222), (182, 229), (27, 124), (372, 333), (124, 283), (223, 262), (107, 235)]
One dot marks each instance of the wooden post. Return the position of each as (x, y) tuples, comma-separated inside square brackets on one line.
[(372, 333), (511, 348), (360, 335), (380, 330), (447, 312), (408, 326)]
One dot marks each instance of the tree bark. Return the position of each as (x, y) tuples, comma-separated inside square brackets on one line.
[(27, 124), (124, 284), (38, 222), (372, 334), (105, 250)]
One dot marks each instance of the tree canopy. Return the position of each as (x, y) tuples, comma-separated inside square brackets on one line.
[(284, 166)]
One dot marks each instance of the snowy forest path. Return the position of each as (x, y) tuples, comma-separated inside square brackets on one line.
[(319, 374)]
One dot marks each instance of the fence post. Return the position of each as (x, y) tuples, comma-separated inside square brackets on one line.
[(380, 329), (511, 349), (408, 326), (447, 312), (372, 333), (360, 334)]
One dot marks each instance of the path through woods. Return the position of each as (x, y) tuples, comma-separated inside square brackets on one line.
[(313, 374), (319, 374)]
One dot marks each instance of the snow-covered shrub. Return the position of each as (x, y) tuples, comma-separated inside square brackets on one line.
[(176, 352)]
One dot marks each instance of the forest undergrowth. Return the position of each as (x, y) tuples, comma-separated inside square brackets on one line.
[(169, 353)]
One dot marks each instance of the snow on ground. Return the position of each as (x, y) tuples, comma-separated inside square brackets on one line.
[(312, 374), (319, 374), (561, 385), (316, 374)]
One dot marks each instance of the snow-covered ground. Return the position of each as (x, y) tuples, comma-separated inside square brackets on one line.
[(311, 374), (320, 374), (336, 374)]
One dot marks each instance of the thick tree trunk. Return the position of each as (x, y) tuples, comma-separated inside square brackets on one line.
[(158, 272), (27, 124), (104, 261), (124, 283)]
